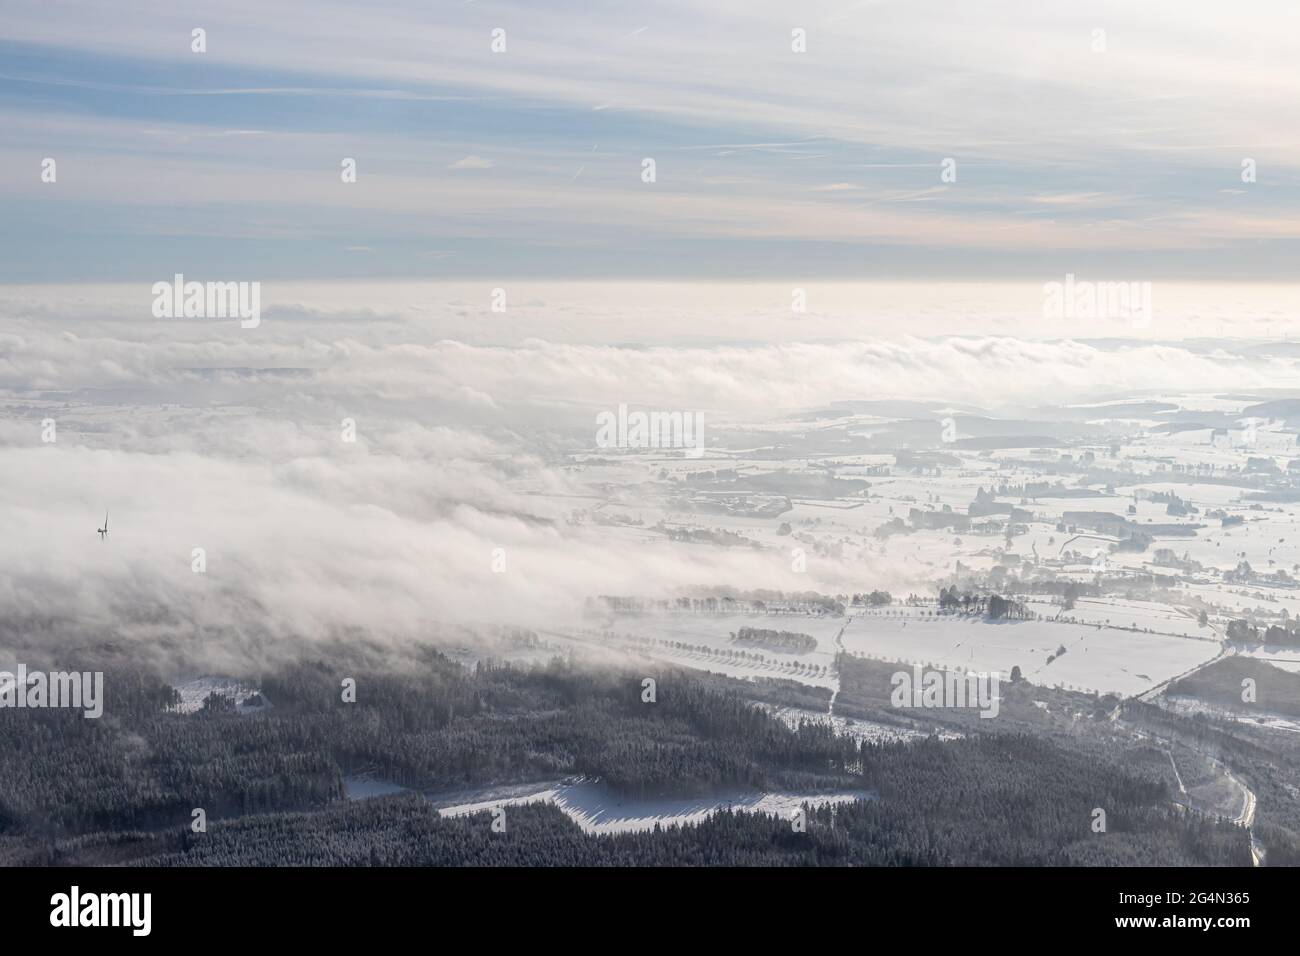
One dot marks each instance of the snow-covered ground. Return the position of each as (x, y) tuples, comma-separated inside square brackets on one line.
[(857, 729), (597, 810), (1237, 598), (194, 692), (1142, 615), (1286, 658), (1107, 659), (1097, 658), (1188, 706), (715, 633), (710, 647)]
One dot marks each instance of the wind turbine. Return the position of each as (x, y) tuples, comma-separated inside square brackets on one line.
[(103, 532)]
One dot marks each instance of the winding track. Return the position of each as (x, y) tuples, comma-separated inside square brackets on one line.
[(1246, 817)]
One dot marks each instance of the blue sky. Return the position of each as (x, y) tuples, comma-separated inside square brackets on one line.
[(1121, 156)]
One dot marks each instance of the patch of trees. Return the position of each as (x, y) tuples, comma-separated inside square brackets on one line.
[(1286, 634), (874, 599), (993, 606), (790, 641), (1135, 542), (1067, 590)]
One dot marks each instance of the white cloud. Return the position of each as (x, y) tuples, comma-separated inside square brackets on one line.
[(472, 162)]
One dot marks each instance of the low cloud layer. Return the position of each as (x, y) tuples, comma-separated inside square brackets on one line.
[(208, 436)]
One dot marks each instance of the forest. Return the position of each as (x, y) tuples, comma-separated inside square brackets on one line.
[(1001, 800), (122, 789)]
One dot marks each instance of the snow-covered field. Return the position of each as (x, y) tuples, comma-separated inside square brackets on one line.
[(1097, 658), (1235, 598), (1107, 659), (1269, 545), (710, 647), (1187, 706), (1286, 658), (1143, 615), (597, 810)]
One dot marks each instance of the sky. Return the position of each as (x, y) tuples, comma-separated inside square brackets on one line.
[(1105, 138)]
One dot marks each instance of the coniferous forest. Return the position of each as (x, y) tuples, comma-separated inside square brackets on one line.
[(272, 782)]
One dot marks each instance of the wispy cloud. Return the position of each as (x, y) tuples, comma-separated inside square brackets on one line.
[(472, 162)]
